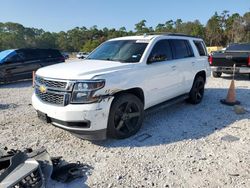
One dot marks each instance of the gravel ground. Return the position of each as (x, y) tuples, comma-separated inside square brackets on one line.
[(206, 145)]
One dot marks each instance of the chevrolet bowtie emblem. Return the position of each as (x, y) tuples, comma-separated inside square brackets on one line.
[(42, 89)]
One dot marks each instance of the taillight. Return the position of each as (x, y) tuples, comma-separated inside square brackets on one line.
[(248, 61), (210, 59)]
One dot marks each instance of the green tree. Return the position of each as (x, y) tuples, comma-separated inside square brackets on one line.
[(229, 27), (90, 45), (141, 27), (246, 20), (169, 26), (238, 30), (214, 31), (219, 30)]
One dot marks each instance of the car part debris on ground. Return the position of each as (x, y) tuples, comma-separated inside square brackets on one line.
[(68, 172), (30, 168), (239, 109)]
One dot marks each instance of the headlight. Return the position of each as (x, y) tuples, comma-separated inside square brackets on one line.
[(83, 92)]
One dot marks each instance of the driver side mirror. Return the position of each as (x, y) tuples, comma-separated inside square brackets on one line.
[(157, 58)]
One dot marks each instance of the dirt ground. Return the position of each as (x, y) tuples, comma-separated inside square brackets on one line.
[(205, 145)]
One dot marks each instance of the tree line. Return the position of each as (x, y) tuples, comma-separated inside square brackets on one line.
[(220, 30)]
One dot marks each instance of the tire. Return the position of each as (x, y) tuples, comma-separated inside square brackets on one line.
[(197, 91), (217, 74), (125, 116)]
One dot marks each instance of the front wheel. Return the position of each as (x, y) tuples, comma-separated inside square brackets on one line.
[(197, 91), (125, 117)]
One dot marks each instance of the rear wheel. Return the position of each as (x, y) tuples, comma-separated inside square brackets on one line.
[(217, 74), (197, 91), (125, 117)]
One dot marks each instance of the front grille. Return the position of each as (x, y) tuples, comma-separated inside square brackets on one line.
[(34, 179), (55, 92), (51, 97), (51, 83)]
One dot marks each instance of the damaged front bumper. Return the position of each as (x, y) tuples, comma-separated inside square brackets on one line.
[(87, 121)]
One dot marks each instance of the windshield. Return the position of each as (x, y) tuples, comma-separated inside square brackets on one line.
[(4, 54), (120, 50), (239, 47)]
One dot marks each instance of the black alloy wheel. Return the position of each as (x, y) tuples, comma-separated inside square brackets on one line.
[(126, 115), (197, 91)]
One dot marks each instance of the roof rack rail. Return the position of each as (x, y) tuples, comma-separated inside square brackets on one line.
[(171, 34), (181, 35)]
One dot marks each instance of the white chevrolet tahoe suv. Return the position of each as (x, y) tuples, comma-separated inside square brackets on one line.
[(106, 94)]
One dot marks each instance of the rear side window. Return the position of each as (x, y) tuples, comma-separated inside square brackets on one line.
[(28, 54), (200, 47), (182, 48), (49, 53), (162, 48)]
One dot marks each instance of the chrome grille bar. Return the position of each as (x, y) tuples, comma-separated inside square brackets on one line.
[(57, 91)]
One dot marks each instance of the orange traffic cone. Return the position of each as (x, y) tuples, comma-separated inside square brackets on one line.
[(231, 96)]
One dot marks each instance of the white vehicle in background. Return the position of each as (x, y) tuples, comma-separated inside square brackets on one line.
[(107, 93), (82, 55)]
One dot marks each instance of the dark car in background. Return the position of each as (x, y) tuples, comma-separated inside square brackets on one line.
[(82, 55), (18, 64), (235, 54)]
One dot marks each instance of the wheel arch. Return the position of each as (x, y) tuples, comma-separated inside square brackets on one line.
[(138, 92), (202, 74)]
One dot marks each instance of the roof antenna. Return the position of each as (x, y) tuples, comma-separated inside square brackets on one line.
[(145, 35)]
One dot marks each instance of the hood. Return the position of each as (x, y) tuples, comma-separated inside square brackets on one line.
[(85, 69)]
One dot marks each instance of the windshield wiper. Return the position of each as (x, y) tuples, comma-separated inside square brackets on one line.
[(119, 60)]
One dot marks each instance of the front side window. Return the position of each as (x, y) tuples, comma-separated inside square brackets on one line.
[(129, 51), (182, 48), (12, 58), (161, 51)]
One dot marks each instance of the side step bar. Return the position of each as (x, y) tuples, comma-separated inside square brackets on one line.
[(166, 104)]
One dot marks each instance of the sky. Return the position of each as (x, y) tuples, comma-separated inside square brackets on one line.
[(62, 15)]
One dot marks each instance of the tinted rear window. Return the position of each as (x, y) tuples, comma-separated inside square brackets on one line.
[(200, 47), (182, 48), (44, 53), (239, 47), (30, 54)]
